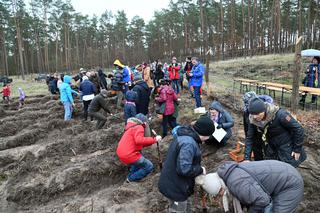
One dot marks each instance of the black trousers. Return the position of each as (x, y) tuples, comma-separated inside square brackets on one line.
[(85, 109)]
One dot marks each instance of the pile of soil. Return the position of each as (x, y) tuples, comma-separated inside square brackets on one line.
[(49, 165)]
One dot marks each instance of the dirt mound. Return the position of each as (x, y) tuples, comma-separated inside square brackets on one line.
[(50, 165)]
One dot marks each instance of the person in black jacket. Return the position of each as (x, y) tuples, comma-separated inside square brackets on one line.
[(158, 74), (102, 78), (258, 145), (281, 133), (96, 104), (183, 163), (143, 95)]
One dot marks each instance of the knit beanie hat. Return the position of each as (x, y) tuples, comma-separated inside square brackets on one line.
[(204, 126), (85, 78), (256, 106), (142, 117)]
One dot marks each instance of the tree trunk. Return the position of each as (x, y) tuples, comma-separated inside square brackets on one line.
[(46, 48), (19, 39), (254, 28), (57, 49), (4, 51), (222, 29), (299, 18), (244, 46)]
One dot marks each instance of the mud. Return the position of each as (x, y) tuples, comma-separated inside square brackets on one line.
[(49, 165)]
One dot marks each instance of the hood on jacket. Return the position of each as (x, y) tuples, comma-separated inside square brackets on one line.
[(67, 79), (118, 63), (143, 84), (132, 122), (226, 168), (187, 131), (217, 106), (131, 95)]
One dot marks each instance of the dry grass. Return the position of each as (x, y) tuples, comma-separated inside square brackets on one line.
[(265, 60), (29, 86)]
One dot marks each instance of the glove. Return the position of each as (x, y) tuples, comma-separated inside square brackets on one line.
[(204, 172), (158, 138)]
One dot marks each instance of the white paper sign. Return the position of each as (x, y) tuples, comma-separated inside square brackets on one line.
[(218, 133), (200, 110)]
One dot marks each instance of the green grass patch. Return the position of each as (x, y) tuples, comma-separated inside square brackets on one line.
[(29, 86)]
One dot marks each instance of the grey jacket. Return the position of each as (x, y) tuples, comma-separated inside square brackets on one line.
[(279, 182)]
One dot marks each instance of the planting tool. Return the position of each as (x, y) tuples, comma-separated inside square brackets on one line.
[(158, 149)]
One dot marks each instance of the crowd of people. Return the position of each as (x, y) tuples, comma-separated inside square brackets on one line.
[(266, 181)]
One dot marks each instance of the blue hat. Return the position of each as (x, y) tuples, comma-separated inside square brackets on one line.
[(142, 117)]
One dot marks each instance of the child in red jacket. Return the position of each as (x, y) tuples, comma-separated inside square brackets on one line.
[(6, 92), (130, 146)]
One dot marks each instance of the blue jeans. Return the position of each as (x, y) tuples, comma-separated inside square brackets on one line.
[(175, 86), (197, 96), (172, 122), (67, 111), (140, 169)]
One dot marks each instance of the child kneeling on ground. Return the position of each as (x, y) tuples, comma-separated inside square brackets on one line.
[(130, 146)]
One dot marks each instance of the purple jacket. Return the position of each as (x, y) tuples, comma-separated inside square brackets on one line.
[(22, 95)]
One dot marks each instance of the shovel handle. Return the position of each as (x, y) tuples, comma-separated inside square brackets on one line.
[(154, 132), (158, 149)]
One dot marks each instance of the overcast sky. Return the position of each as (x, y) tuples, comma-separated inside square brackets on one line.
[(142, 8)]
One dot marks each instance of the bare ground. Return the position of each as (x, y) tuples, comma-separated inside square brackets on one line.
[(49, 165)]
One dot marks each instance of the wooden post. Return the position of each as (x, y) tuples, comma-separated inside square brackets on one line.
[(296, 77)]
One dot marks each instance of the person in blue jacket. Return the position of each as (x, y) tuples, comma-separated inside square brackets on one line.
[(87, 89), (66, 97), (196, 78), (183, 163), (130, 105), (312, 78), (125, 74), (224, 120)]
